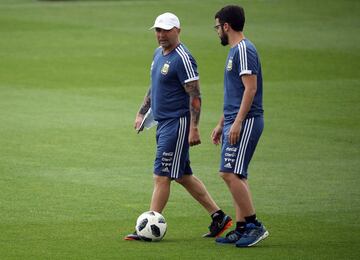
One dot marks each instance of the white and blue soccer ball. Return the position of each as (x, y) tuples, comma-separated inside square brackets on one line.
[(151, 226)]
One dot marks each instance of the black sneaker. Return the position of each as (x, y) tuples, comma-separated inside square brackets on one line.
[(218, 227), (132, 236)]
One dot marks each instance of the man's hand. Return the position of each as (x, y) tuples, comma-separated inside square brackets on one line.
[(194, 136), (216, 135), (138, 119), (234, 133), (142, 111)]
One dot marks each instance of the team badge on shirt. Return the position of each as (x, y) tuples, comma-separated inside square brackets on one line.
[(165, 69), (229, 65)]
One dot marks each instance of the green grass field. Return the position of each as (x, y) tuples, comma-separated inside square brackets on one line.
[(74, 175)]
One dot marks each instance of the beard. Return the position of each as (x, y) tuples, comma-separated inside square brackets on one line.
[(224, 39)]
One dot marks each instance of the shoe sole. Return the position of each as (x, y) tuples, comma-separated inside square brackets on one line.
[(265, 235), (225, 243), (131, 239), (227, 225)]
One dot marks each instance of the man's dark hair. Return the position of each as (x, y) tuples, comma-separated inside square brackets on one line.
[(233, 15)]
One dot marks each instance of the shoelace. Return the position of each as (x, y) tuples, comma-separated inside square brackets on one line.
[(232, 235), (250, 232), (215, 224)]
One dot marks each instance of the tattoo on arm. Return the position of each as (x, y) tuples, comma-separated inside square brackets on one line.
[(146, 104), (193, 89)]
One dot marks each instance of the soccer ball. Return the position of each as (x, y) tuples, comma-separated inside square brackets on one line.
[(151, 226)]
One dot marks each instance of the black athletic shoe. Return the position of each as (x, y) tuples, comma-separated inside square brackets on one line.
[(132, 236), (218, 227)]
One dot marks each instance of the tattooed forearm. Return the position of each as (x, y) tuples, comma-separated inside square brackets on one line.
[(193, 89), (146, 104), (195, 109)]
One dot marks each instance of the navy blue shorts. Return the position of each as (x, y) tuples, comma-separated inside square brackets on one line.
[(172, 155), (236, 158)]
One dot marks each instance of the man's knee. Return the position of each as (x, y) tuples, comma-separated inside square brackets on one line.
[(161, 179), (230, 177), (227, 176), (182, 180)]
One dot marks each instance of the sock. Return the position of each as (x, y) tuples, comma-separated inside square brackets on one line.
[(252, 219), (240, 226), (218, 215)]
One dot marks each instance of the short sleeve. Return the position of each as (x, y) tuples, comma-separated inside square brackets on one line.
[(186, 67), (248, 62)]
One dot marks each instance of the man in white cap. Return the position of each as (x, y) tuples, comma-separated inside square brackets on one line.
[(175, 101)]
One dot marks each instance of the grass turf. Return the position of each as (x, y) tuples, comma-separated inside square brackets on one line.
[(74, 175)]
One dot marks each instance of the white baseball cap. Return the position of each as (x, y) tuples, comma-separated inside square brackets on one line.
[(166, 21)]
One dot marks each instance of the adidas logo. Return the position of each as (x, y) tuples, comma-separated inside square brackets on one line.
[(165, 169), (228, 165)]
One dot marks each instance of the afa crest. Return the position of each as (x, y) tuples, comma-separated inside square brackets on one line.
[(229, 65), (165, 69)]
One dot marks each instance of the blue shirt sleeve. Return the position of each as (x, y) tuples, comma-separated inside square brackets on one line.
[(248, 60), (186, 66)]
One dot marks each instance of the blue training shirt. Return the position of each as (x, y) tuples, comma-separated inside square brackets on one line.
[(242, 60), (169, 73)]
